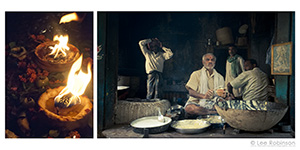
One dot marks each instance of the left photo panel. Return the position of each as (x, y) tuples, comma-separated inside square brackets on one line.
[(49, 75)]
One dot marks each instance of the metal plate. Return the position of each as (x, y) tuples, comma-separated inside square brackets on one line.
[(190, 126), (150, 122)]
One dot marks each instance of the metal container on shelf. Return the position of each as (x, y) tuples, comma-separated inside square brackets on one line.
[(224, 35)]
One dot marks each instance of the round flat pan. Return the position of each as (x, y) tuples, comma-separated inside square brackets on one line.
[(151, 123), (198, 129)]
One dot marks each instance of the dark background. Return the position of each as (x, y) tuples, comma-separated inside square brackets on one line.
[(20, 25), (187, 33)]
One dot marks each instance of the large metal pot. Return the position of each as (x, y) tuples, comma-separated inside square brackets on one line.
[(150, 124), (251, 115)]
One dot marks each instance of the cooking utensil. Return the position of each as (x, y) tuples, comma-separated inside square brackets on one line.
[(176, 112), (251, 115), (160, 117), (151, 123), (190, 126)]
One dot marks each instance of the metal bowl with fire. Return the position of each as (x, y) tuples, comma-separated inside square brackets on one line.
[(67, 107), (57, 55), (251, 115)]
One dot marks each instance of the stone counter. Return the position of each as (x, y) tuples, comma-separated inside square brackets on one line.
[(126, 131)]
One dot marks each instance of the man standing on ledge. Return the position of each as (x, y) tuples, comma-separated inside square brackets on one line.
[(155, 55)]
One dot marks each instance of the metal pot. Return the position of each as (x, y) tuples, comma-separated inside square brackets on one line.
[(150, 124)]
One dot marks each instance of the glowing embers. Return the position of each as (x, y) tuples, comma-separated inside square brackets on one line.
[(76, 85)]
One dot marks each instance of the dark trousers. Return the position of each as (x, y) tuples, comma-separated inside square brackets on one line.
[(154, 84)]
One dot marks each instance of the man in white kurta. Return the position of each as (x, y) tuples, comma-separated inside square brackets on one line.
[(155, 55), (254, 82), (234, 67), (201, 87)]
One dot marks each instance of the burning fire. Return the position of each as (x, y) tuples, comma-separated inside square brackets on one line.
[(61, 47), (76, 85), (69, 18)]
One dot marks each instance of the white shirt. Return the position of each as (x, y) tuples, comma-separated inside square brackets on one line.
[(213, 82), (255, 83), (154, 61)]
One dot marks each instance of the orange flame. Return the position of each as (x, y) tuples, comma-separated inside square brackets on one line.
[(69, 18), (77, 82), (61, 47)]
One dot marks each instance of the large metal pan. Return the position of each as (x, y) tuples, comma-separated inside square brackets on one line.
[(251, 115), (151, 124), (190, 126)]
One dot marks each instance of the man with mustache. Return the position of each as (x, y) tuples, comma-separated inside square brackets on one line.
[(155, 55), (201, 87)]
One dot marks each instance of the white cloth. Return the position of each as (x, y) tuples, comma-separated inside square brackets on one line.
[(218, 81), (199, 83), (154, 61), (255, 83)]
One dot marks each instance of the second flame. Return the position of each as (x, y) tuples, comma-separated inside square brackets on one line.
[(77, 83)]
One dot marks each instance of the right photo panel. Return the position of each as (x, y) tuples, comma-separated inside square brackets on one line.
[(196, 75)]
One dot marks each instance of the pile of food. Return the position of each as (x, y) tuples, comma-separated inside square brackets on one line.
[(190, 126)]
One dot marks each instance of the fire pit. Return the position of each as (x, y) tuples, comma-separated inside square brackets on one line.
[(69, 118), (59, 64)]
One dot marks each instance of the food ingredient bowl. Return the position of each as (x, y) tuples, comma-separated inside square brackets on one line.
[(190, 126), (251, 115)]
